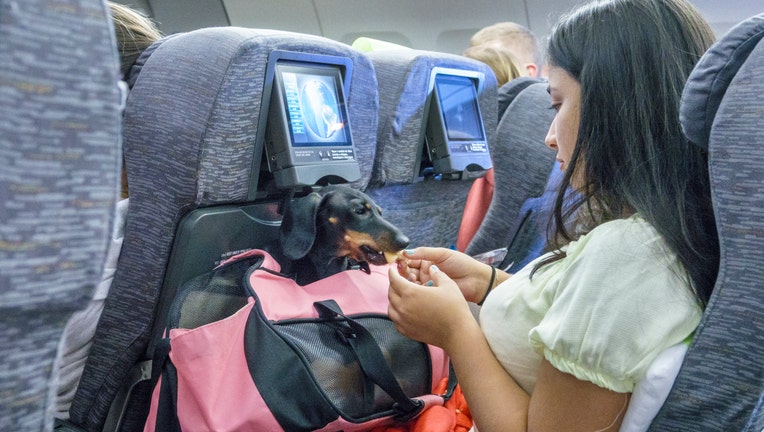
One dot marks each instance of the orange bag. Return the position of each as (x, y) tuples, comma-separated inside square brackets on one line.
[(454, 416)]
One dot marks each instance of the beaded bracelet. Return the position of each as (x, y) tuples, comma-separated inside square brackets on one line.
[(490, 285)]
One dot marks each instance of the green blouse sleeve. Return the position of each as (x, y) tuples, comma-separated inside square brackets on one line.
[(619, 300)]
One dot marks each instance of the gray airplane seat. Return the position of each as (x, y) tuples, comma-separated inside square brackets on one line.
[(509, 91), (59, 183), (526, 177), (201, 189), (719, 386), (422, 189)]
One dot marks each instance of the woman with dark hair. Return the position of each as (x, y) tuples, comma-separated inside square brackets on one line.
[(562, 343), (631, 156)]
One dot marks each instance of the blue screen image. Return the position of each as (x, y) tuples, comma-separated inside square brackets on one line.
[(314, 109), (458, 101)]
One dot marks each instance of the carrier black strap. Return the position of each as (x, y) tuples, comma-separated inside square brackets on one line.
[(371, 359), (167, 406)]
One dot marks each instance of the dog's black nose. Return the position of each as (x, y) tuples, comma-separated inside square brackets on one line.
[(401, 241)]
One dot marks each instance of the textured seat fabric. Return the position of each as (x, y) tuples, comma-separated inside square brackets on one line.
[(429, 211), (191, 123), (509, 91), (481, 193), (525, 175), (59, 182), (719, 386)]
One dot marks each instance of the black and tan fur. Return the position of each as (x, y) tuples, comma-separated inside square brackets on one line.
[(329, 231)]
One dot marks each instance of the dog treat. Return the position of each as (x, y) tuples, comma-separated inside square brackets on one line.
[(393, 256)]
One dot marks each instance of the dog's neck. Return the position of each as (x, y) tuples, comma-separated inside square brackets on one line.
[(351, 264), (309, 269), (339, 264)]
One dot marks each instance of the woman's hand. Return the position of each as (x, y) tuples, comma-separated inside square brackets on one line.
[(470, 275), (434, 312)]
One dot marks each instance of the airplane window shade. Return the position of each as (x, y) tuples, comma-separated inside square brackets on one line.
[(455, 135), (308, 138)]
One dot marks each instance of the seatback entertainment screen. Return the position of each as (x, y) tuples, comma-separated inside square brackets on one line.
[(308, 136), (317, 114), (458, 104), (455, 138)]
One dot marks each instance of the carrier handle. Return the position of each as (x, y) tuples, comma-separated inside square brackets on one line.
[(372, 361)]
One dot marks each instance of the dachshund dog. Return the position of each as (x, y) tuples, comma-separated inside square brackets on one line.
[(322, 233), (335, 229)]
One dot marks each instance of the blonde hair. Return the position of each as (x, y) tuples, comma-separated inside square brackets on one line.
[(135, 32), (503, 63), (509, 37)]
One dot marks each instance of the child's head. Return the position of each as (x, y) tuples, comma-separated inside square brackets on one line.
[(514, 39), (504, 65)]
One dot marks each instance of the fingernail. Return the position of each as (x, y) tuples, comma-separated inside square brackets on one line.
[(434, 268), (409, 251), (429, 283)]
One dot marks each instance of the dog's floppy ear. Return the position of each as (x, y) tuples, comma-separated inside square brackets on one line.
[(298, 226)]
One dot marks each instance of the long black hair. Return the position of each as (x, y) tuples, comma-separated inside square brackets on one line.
[(632, 58)]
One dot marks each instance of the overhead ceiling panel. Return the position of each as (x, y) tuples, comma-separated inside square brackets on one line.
[(443, 25), (294, 15)]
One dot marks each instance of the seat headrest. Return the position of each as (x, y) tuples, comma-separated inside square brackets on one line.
[(708, 82), (195, 105), (403, 77), (140, 61), (511, 89)]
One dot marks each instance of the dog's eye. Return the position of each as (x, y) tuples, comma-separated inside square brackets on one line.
[(360, 210)]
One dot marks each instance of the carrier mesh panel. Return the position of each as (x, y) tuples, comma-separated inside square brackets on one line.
[(212, 296), (339, 374)]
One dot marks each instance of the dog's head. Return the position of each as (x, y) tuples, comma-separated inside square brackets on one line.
[(339, 221)]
